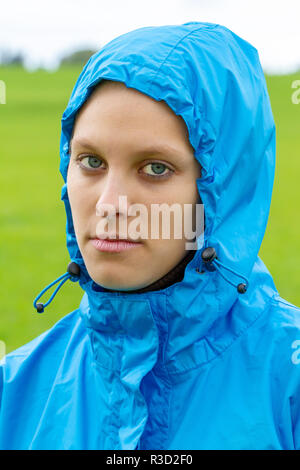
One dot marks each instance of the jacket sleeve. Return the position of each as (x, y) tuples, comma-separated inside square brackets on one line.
[(295, 399), (285, 343), (297, 430), (293, 373), (1, 383)]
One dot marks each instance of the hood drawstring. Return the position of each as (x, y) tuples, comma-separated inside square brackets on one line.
[(209, 256), (73, 272)]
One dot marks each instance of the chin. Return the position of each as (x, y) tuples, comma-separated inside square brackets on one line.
[(114, 286), (117, 282), (112, 280)]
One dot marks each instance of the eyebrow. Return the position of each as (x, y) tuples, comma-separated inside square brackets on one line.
[(152, 149)]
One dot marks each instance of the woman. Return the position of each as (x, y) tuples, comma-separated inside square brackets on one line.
[(174, 345)]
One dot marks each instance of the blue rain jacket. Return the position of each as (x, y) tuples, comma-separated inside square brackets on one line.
[(213, 361)]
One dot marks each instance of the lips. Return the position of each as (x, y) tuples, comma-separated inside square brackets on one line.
[(114, 245), (114, 238)]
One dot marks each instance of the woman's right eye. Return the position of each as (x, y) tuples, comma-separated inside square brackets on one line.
[(93, 162)]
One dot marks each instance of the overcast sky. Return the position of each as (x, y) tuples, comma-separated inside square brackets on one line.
[(45, 30)]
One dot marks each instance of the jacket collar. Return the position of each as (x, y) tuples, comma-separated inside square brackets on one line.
[(172, 330)]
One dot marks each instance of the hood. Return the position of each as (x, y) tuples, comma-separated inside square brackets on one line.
[(213, 79)]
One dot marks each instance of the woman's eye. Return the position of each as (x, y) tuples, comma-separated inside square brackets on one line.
[(157, 169), (93, 162)]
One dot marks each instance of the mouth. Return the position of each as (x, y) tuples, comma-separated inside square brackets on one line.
[(114, 238), (114, 245)]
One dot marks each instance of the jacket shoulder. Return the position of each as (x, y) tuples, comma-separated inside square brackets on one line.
[(285, 313), (44, 350), (282, 331)]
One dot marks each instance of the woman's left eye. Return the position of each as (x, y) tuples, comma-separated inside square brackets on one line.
[(157, 169)]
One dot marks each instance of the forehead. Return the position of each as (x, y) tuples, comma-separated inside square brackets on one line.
[(116, 119), (114, 102)]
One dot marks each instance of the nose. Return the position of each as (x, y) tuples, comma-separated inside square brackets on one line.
[(114, 194)]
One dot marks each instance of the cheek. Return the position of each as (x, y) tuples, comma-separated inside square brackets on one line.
[(165, 254), (79, 198)]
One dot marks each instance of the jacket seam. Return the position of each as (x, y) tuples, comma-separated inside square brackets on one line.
[(174, 47), (277, 299)]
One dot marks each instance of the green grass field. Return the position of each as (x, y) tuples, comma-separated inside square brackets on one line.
[(33, 244)]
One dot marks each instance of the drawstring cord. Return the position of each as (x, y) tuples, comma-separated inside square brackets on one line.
[(209, 256), (242, 286), (73, 272)]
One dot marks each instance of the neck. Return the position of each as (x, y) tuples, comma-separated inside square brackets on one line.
[(175, 275)]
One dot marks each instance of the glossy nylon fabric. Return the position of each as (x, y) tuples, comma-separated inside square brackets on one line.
[(195, 365)]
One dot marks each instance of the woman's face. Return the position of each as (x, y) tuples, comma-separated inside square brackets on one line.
[(111, 157)]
